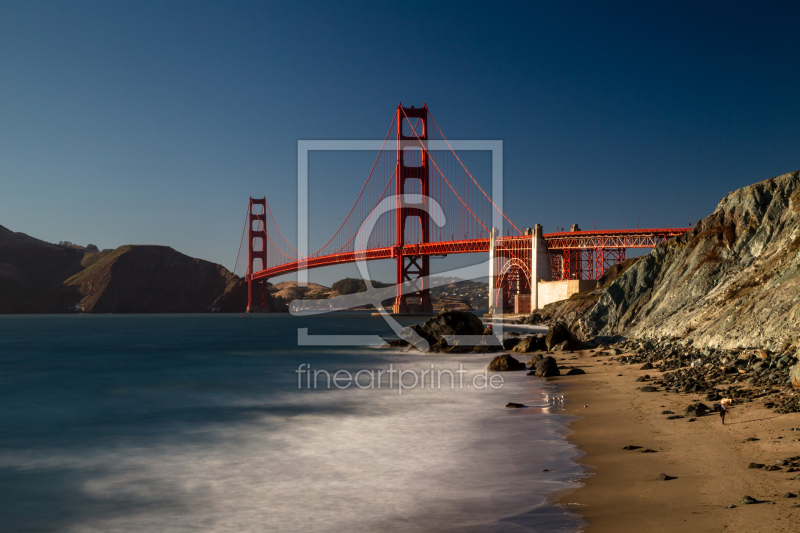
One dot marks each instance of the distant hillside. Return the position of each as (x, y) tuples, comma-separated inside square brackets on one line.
[(39, 277), (29, 268), (149, 279)]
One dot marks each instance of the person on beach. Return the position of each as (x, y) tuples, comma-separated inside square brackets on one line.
[(723, 408)]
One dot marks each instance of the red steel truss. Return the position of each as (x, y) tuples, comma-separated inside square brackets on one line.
[(619, 238)]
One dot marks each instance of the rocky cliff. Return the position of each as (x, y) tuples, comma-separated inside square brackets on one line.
[(730, 282)]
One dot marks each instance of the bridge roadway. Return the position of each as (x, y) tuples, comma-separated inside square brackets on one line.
[(566, 240)]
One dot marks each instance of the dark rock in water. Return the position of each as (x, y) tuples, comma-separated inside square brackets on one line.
[(696, 409), (531, 373), (418, 337), (755, 465), (534, 343), (674, 417), (398, 343), (576, 372), (631, 447), (505, 363), (664, 477), (790, 495), (747, 500), (648, 388), (667, 413), (487, 344), (509, 344), (512, 405), (646, 366), (546, 367), (453, 323), (559, 333)]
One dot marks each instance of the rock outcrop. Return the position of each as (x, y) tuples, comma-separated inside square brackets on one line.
[(732, 281), (447, 323)]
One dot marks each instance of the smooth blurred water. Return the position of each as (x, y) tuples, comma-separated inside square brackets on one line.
[(196, 423)]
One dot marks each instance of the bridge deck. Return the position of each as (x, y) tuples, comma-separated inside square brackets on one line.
[(567, 240)]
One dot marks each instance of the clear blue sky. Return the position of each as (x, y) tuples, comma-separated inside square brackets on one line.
[(152, 122)]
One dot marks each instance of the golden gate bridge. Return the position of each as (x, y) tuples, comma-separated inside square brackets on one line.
[(414, 179)]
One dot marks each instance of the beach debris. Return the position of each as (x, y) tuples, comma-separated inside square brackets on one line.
[(664, 477), (648, 450), (731, 506), (790, 495), (751, 439), (545, 470), (674, 417), (747, 500), (667, 413), (631, 447), (512, 405)]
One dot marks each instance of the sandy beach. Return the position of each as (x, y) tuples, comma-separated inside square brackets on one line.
[(708, 461)]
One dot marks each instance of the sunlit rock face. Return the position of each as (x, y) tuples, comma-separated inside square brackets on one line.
[(731, 281)]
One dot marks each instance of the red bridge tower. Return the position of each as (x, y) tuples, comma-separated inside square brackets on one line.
[(412, 269)]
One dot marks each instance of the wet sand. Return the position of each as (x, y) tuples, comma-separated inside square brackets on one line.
[(709, 461)]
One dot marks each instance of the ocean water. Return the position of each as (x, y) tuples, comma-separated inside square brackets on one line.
[(173, 423)]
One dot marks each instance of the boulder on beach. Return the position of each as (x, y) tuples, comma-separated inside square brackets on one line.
[(447, 323), (505, 363), (559, 333), (576, 372), (533, 343), (511, 342), (696, 409), (544, 367)]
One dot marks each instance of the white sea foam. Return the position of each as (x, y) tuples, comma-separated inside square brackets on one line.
[(355, 460)]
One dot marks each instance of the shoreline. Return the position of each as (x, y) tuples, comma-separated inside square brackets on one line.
[(708, 461)]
